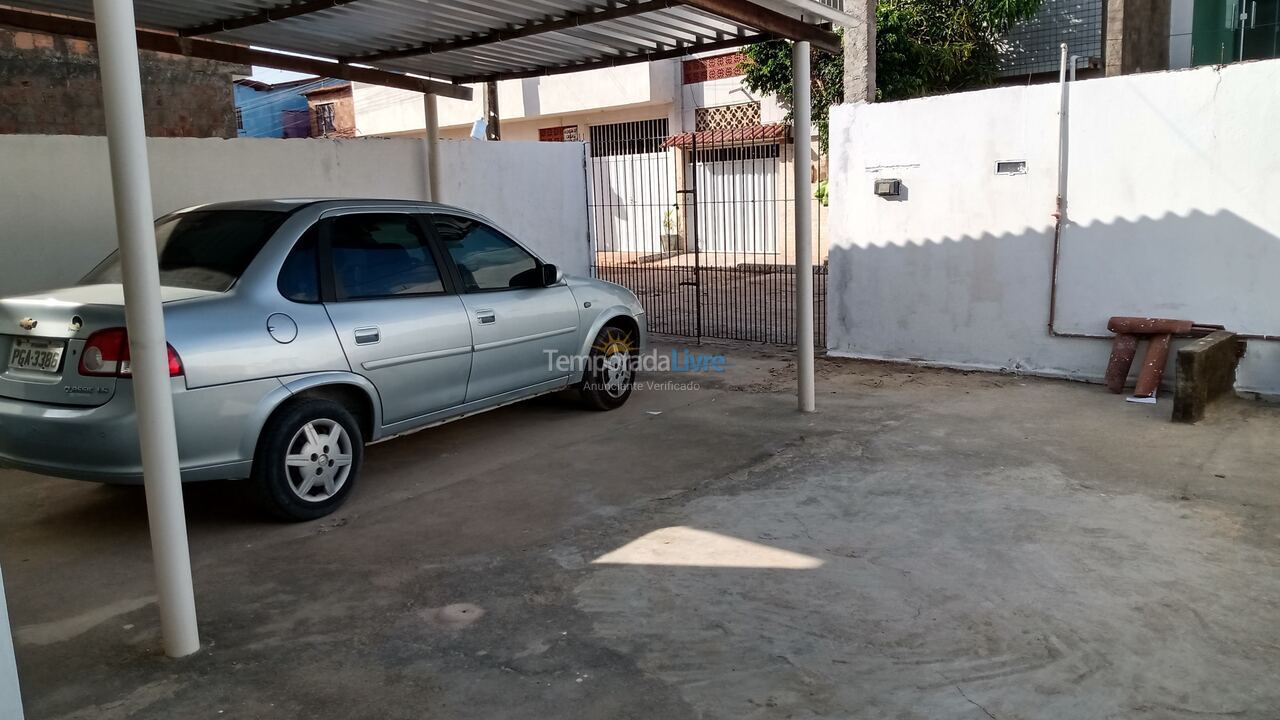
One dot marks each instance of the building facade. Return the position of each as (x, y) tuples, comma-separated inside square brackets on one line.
[(679, 153), (276, 110), (332, 111), (1120, 37), (49, 85)]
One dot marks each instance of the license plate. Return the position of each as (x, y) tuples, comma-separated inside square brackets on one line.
[(37, 355)]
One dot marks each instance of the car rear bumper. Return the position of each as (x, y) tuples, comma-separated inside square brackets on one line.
[(216, 431)]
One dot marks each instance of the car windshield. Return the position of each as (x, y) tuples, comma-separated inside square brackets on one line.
[(204, 250)]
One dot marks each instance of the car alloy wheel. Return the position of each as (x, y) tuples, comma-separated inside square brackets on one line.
[(611, 370), (617, 374), (318, 461)]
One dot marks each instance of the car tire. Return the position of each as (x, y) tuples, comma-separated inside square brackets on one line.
[(611, 370), (307, 460)]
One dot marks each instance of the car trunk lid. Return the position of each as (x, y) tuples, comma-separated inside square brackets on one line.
[(42, 337)]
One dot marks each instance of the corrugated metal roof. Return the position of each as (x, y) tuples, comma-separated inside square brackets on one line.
[(469, 40)]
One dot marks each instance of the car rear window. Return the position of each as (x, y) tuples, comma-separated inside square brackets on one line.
[(204, 250)]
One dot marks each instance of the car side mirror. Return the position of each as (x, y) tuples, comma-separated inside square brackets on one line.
[(550, 275)]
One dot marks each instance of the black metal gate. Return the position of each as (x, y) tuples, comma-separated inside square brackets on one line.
[(700, 226)]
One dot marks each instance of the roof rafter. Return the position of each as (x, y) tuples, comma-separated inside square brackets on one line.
[(622, 60), (769, 21)]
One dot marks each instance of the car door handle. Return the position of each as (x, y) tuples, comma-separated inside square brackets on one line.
[(486, 317), (367, 335)]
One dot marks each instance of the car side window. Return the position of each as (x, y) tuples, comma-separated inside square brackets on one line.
[(299, 279), (379, 255), (486, 259)]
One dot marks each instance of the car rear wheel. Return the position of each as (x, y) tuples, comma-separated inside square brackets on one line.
[(308, 459), (611, 370)]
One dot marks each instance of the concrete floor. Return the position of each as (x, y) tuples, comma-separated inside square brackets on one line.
[(929, 545)]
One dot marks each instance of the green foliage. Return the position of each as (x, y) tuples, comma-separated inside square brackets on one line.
[(768, 70), (923, 47), (927, 47)]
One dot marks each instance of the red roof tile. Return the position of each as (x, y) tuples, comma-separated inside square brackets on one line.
[(729, 136)]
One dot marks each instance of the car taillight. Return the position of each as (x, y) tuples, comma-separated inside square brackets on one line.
[(106, 354)]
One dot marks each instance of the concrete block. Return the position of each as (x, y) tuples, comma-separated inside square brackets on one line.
[(1206, 369)]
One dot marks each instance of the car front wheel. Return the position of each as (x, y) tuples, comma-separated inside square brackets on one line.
[(308, 460), (611, 370)]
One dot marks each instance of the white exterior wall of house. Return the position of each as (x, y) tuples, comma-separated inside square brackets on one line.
[(1171, 206), (524, 105), (643, 91)]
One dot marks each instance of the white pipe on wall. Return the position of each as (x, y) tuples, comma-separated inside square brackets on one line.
[(800, 113), (148, 352)]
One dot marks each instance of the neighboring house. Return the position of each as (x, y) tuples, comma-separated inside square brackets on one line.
[(653, 131), (1223, 31), (276, 110), (49, 85), (1125, 36), (332, 111), (566, 107)]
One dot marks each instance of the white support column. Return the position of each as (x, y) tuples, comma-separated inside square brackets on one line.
[(803, 162), (432, 117), (131, 189), (10, 697)]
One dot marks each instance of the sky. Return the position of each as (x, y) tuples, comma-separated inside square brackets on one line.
[(268, 75)]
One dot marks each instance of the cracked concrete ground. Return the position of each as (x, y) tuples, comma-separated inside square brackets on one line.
[(930, 544)]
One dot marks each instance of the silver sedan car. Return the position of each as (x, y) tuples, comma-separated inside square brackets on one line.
[(299, 331)]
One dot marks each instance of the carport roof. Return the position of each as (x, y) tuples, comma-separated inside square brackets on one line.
[(404, 42)]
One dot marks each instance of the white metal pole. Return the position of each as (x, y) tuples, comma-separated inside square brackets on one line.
[(433, 143), (10, 697), (131, 189), (800, 113)]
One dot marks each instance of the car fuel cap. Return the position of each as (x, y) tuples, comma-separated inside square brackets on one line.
[(282, 328)]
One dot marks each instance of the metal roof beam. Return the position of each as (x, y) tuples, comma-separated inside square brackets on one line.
[(237, 54), (281, 12), (769, 21), (623, 60), (568, 21)]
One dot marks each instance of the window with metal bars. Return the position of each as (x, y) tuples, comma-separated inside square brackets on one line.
[(564, 133), (325, 118), (628, 138), (1032, 46)]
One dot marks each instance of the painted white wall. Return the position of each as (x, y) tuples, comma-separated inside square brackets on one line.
[(537, 191), (58, 218), (1172, 213)]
